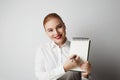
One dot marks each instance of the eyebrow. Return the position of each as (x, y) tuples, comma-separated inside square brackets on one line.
[(49, 29), (56, 26), (59, 24)]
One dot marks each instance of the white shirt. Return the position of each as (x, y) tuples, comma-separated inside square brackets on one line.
[(49, 61)]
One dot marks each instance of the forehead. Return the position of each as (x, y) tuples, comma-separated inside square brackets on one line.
[(53, 22)]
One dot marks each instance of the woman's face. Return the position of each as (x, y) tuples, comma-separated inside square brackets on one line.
[(55, 29)]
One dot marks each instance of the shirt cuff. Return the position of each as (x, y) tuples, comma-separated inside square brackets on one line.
[(84, 78), (89, 78), (56, 73), (60, 70)]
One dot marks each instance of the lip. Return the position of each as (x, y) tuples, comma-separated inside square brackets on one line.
[(58, 37)]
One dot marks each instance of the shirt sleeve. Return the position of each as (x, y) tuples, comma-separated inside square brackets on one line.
[(41, 73), (89, 78), (84, 78)]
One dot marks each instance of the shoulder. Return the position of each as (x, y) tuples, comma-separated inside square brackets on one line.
[(43, 46)]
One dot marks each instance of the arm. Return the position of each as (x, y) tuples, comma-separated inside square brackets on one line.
[(85, 66), (71, 62), (41, 73), (75, 61)]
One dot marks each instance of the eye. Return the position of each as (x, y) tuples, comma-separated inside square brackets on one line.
[(60, 26), (50, 30)]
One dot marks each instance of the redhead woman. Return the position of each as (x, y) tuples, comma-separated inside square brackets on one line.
[(52, 61)]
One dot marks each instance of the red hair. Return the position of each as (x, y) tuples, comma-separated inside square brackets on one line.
[(50, 16)]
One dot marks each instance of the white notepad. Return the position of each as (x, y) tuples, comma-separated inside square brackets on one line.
[(80, 46)]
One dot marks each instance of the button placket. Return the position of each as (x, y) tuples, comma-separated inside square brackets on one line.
[(59, 56)]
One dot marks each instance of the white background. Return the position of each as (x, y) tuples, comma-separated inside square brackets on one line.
[(21, 31)]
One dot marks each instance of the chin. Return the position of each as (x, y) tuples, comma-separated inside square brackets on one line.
[(58, 41)]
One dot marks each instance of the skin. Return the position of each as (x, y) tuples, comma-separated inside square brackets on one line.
[(56, 31)]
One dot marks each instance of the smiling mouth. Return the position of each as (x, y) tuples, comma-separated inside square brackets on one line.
[(58, 37)]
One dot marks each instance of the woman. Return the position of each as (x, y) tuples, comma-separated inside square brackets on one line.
[(52, 59)]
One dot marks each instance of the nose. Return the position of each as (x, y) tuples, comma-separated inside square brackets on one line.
[(56, 32)]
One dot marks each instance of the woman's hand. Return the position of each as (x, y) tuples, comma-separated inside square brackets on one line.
[(87, 67), (72, 62)]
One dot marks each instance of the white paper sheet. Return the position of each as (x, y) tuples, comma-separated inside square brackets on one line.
[(80, 46)]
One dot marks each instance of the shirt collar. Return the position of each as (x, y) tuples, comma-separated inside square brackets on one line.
[(67, 43)]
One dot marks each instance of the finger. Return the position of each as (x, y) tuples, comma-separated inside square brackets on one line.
[(77, 58), (72, 60), (84, 65), (72, 56), (87, 63)]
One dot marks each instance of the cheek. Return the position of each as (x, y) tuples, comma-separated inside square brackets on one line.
[(63, 31), (50, 35)]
